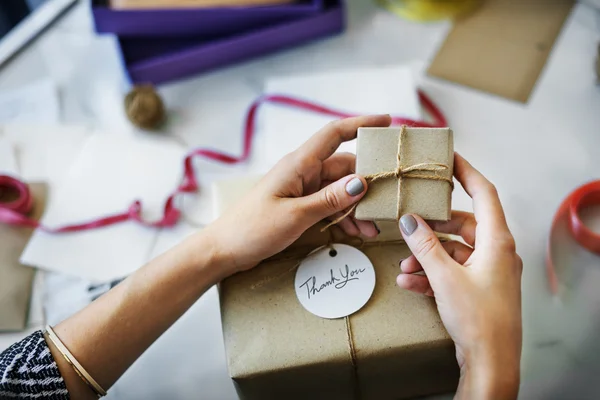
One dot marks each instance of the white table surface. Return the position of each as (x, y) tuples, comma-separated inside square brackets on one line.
[(534, 153)]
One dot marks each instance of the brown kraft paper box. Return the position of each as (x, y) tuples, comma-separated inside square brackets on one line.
[(377, 152), (278, 350)]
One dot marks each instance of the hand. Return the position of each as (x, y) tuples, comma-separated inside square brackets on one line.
[(306, 186), (477, 287)]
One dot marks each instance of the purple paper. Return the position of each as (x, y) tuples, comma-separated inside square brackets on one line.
[(157, 61), (196, 22)]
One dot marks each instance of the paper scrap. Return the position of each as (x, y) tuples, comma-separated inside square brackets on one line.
[(44, 153), (8, 162), (365, 91), (110, 172), (37, 102)]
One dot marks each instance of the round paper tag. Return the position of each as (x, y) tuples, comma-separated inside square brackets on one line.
[(335, 281)]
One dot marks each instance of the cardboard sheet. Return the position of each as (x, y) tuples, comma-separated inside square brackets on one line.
[(502, 47), (16, 279)]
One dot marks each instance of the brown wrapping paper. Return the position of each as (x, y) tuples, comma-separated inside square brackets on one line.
[(278, 350), (377, 152), (16, 279), (502, 47)]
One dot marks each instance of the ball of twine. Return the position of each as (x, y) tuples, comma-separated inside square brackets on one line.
[(144, 107)]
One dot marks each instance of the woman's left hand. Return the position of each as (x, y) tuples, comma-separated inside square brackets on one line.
[(306, 186)]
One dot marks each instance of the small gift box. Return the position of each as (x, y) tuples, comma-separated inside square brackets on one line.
[(409, 170), (394, 347)]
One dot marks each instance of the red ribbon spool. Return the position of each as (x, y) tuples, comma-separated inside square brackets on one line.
[(15, 212), (582, 197), (21, 205)]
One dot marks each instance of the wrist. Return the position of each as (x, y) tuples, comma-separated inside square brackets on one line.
[(487, 376), (208, 255)]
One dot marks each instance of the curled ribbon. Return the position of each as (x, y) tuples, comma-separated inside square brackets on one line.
[(15, 212), (582, 197)]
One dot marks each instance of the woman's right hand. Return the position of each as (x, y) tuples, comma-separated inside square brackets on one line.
[(477, 287)]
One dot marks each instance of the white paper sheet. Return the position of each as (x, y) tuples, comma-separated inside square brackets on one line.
[(8, 162), (110, 172), (37, 102), (44, 152), (367, 91)]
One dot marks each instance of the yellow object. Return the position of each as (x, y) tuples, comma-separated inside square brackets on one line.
[(429, 10)]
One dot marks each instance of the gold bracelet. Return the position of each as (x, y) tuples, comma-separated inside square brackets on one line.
[(83, 374)]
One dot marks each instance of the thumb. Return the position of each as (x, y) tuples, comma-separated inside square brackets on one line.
[(334, 197), (424, 244)]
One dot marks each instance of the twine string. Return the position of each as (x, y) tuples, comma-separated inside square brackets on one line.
[(349, 336), (428, 171), (352, 349)]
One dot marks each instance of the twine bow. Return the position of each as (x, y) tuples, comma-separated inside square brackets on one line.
[(427, 171)]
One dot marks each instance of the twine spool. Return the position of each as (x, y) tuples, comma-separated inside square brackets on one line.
[(144, 107)]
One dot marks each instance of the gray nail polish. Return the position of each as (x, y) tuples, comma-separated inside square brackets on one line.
[(355, 187), (408, 224)]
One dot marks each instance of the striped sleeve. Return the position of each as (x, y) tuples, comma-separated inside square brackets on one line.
[(28, 371)]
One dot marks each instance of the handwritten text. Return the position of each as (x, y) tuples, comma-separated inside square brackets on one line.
[(337, 281)]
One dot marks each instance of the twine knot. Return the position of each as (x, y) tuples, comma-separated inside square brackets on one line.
[(411, 172), (427, 171)]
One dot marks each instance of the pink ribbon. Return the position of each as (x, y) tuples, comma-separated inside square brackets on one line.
[(584, 196), (15, 212)]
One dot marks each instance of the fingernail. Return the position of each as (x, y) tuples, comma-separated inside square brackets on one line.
[(400, 262), (377, 228), (408, 224), (355, 187)]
